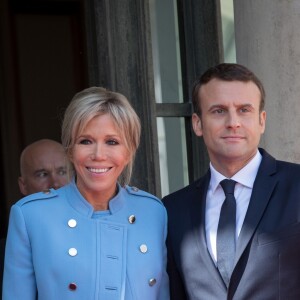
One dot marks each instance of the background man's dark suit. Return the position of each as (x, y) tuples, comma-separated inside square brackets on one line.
[(2, 254), (267, 264)]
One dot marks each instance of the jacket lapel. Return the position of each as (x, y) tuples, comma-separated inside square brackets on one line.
[(262, 190), (197, 211)]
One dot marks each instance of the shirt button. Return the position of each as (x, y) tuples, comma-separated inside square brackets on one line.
[(47, 191), (72, 251), (152, 281), (72, 223), (143, 248), (72, 286)]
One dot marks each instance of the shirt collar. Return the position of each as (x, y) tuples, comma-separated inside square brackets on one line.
[(246, 176)]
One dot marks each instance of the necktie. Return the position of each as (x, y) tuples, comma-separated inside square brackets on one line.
[(226, 231)]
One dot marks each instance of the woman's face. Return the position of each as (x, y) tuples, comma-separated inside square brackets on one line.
[(99, 157)]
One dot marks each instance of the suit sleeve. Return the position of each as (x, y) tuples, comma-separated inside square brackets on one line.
[(19, 278), (177, 290)]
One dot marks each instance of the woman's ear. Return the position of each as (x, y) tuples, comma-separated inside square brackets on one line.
[(70, 155)]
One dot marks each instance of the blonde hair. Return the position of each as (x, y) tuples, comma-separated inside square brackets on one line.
[(96, 101)]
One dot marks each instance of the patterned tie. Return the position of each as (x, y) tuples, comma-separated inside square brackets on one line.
[(226, 231)]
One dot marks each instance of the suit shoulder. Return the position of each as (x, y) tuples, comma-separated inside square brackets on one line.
[(184, 192), (134, 191), (288, 169), (47, 194), (287, 164)]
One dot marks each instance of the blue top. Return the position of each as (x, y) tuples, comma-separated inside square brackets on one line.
[(60, 248)]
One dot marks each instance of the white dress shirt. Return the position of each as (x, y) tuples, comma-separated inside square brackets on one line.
[(215, 197)]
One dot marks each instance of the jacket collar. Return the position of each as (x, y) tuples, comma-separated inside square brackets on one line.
[(80, 204)]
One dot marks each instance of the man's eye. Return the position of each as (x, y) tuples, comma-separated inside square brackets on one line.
[(218, 111), (244, 109), (42, 174), (62, 172)]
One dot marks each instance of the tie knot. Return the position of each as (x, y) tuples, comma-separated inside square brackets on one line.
[(228, 186)]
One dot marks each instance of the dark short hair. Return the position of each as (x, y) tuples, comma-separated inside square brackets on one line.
[(226, 72)]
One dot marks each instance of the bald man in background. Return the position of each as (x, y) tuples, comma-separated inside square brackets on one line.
[(43, 165)]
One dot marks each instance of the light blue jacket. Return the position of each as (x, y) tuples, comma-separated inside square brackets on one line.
[(59, 247)]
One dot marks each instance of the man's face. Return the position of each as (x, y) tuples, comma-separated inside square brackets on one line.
[(44, 167), (230, 123)]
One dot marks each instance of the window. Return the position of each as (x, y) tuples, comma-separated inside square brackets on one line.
[(178, 34)]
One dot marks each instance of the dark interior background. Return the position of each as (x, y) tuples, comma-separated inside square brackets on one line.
[(42, 66), (51, 49)]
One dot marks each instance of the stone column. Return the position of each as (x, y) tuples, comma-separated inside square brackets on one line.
[(268, 42), (120, 59)]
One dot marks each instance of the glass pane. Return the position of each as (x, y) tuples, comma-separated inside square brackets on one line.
[(172, 154), (227, 13), (166, 54)]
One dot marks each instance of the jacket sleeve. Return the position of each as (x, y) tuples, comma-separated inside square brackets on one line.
[(164, 288), (19, 278)]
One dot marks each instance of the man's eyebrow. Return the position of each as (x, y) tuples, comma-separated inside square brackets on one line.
[(246, 104), (217, 106), (40, 170)]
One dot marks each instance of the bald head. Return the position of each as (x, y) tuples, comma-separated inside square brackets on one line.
[(43, 165)]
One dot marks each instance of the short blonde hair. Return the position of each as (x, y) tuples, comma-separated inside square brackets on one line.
[(97, 101)]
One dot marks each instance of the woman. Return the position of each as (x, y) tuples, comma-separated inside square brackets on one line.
[(97, 237)]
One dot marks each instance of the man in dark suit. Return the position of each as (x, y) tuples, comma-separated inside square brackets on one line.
[(243, 244)]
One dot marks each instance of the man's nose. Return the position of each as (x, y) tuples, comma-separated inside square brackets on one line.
[(233, 120), (55, 182)]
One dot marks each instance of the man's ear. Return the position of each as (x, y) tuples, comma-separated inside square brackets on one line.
[(197, 125), (262, 121), (22, 186)]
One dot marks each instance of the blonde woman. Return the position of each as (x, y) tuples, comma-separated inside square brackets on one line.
[(97, 237)]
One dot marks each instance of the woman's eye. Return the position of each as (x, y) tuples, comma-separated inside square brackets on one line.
[(85, 142), (112, 142)]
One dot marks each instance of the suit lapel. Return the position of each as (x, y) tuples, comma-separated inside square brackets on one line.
[(262, 190), (197, 211)]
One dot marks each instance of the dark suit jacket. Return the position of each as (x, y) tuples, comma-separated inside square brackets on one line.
[(267, 264), (2, 252)]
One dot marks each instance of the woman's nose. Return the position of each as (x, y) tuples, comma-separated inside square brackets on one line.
[(99, 153)]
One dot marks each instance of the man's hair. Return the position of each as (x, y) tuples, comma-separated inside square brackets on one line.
[(226, 72)]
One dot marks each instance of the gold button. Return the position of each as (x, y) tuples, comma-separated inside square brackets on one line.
[(135, 189), (143, 248), (152, 281), (131, 219)]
